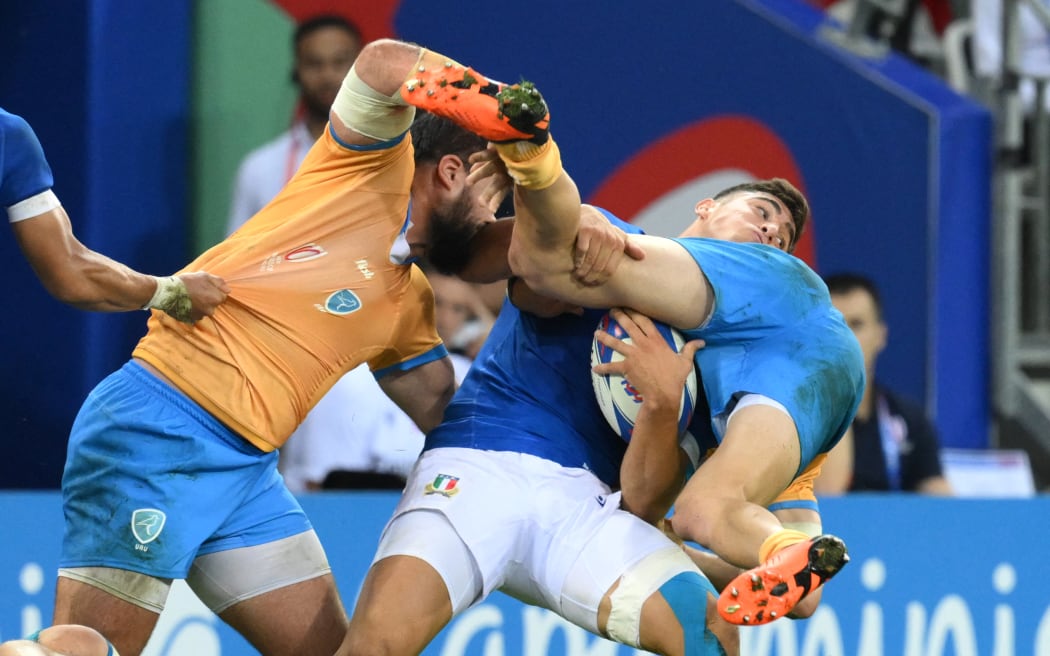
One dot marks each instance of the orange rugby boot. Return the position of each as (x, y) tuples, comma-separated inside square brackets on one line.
[(492, 110), (771, 590)]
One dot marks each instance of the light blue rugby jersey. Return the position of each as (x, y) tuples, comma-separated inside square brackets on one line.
[(774, 332), (24, 171), (529, 391)]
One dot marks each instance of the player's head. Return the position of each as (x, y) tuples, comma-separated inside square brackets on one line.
[(325, 47), (857, 298), (449, 210), (770, 211)]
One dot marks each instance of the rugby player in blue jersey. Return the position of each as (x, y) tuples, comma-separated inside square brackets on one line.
[(524, 488), (779, 360)]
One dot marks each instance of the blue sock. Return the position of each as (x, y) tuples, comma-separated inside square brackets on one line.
[(686, 594)]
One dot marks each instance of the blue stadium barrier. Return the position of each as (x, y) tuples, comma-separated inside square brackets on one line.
[(928, 577)]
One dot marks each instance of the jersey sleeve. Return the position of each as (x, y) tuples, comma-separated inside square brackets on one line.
[(629, 228), (757, 289), (25, 177)]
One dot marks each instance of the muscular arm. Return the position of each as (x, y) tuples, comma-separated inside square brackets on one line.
[(653, 469), (382, 65), (422, 392), (87, 280), (542, 253)]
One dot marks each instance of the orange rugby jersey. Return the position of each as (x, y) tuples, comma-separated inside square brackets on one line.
[(315, 293)]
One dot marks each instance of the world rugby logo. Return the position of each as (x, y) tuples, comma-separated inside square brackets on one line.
[(305, 253)]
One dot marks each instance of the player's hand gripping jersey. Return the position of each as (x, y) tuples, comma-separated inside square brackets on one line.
[(320, 284)]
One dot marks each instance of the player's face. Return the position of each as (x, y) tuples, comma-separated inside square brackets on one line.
[(322, 60), (859, 311), (450, 228), (746, 217)]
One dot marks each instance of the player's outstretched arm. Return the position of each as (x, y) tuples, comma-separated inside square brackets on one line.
[(85, 279)]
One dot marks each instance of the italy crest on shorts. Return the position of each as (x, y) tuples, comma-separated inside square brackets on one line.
[(444, 485)]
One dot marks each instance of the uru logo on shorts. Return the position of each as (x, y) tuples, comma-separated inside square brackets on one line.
[(444, 485), (147, 523), (341, 302)]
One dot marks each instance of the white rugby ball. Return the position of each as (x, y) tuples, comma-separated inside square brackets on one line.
[(618, 400)]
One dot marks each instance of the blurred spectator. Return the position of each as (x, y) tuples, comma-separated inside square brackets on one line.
[(325, 48), (464, 318), (1034, 47), (891, 446), (914, 33)]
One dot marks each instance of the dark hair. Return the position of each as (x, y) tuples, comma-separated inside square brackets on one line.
[(315, 23), (785, 192), (434, 137), (844, 283)]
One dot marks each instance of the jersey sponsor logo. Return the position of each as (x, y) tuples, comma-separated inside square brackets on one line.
[(601, 500), (146, 525), (341, 303), (305, 253), (444, 485), (362, 266)]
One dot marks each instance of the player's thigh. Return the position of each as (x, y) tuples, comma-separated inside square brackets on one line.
[(756, 460), (634, 585), (422, 575), (125, 624), (599, 548), (301, 618), (280, 595)]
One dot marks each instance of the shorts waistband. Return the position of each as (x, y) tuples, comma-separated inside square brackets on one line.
[(135, 371)]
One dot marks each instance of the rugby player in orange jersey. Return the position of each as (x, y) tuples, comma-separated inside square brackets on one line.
[(171, 468)]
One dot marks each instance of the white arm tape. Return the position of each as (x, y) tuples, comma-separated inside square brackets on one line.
[(366, 111), (35, 205)]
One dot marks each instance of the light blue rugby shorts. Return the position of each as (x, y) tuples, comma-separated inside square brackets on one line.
[(152, 481)]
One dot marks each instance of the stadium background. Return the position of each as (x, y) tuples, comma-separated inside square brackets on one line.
[(145, 109)]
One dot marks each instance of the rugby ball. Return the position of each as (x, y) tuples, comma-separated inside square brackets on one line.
[(618, 400)]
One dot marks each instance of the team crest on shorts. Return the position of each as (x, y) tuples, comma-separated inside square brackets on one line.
[(341, 303), (147, 523), (444, 485)]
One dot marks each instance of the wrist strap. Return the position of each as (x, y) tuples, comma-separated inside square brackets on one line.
[(172, 297)]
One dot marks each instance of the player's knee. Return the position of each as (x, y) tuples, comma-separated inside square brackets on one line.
[(695, 518), (688, 593)]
